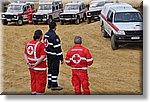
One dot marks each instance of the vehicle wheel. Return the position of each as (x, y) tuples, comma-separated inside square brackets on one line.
[(77, 21), (19, 22), (62, 22), (114, 44), (35, 22), (4, 22), (50, 20), (84, 18), (88, 20)]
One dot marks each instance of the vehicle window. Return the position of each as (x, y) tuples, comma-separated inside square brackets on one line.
[(83, 6), (109, 14), (24, 8), (60, 5), (71, 7), (80, 8), (53, 8), (45, 7), (14, 8), (128, 17), (100, 4), (57, 4)]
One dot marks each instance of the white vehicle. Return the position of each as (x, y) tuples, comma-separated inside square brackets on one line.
[(122, 23), (47, 11), (17, 12), (74, 11), (95, 8)]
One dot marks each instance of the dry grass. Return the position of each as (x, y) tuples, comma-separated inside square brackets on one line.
[(113, 72)]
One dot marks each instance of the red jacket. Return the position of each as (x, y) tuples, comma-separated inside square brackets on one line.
[(78, 57), (34, 50)]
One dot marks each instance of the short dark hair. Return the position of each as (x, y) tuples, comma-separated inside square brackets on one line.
[(37, 34), (78, 40), (52, 25)]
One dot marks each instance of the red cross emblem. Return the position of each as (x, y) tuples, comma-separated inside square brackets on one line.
[(30, 50), (46, 43), (76, 58)]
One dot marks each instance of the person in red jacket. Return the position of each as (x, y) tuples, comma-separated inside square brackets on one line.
[(35, 55), (79, 58), (30, 11)]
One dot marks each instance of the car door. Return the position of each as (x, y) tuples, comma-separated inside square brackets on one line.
[(25, 12), (108, 26)]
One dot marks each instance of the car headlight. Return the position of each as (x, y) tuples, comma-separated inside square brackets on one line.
[(3, 16), (120, 32), (89, 13), (15, 16), (45, 16), (73, 16), (34, 16)]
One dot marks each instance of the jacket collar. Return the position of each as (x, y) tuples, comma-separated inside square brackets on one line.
[(77, 45)]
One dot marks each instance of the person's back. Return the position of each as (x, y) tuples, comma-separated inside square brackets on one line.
[(79, 58), (34, 51)]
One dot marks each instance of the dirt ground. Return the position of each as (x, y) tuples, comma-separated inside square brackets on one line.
[(113, 72)]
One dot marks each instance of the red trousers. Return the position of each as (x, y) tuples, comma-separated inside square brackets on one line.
[(38, 81), (80, 78), (29, 18)]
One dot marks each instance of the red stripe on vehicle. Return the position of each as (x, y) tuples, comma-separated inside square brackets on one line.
[(112, 25)]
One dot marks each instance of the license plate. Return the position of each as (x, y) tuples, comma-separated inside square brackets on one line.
[(8, 19), (96, 17), (135, 37), (44, 19), (67, 19)]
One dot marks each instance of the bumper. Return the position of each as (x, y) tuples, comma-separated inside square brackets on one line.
[(10, 20), (129, 38), (94, 17), (40, 19), (68, 19)]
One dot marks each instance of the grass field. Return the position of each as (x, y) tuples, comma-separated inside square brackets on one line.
[(113, 72)]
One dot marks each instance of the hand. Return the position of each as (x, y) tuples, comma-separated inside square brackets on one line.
[(32, 66), (62, 62), (29, 65)]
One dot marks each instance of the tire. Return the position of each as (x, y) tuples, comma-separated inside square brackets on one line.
[(4, 22), (35, 22), (84, 18), (61, 22), (114, 44), (88, 20), (77, 21), (19, 22), (104, 33)]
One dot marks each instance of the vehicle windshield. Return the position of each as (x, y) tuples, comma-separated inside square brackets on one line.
[(71, 7), (97, 4), (14, 8), (128, 17), (45, 7)]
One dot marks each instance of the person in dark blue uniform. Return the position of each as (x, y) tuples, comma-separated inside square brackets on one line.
[(54, 56)]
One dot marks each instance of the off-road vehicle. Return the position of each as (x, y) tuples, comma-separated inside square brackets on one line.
[(47, 11), (74, 11), (17, 12), (122, 23)]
